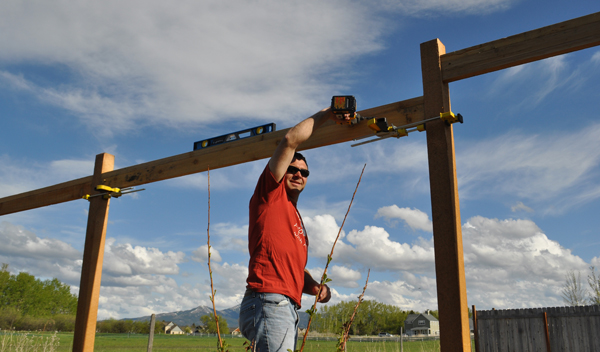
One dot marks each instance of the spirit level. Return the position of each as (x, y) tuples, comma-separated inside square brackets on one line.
[(254, 131)]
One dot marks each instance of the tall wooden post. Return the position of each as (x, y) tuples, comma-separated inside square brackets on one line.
[(445, 210), (151, 334), (93, 255)]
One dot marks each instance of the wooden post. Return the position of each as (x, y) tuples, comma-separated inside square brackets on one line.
[(401, 341), (476, 330), (547, 332), (151, 335), (445, 211), (93, 254)]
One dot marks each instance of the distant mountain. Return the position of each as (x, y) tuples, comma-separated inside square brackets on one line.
[(192, 316)]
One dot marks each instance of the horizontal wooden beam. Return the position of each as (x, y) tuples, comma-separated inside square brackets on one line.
[(59, 193), (542, 43), (223, 155)]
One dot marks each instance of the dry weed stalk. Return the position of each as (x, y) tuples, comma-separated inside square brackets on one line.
[(324, 278), (348, 324), (221, 345)]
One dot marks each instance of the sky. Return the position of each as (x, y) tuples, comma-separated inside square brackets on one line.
[(144, 80)]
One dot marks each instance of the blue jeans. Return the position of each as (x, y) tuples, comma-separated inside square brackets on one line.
[(270, 320)]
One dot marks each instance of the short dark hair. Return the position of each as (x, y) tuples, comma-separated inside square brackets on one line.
[(298, 156)]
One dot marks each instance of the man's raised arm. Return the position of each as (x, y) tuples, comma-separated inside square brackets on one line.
[(283, 155)]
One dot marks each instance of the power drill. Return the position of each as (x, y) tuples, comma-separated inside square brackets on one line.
[(342, 105)]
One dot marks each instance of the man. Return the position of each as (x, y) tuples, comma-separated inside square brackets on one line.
[(278, 247)]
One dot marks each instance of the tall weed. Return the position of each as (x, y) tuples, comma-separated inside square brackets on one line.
[(17, 342)]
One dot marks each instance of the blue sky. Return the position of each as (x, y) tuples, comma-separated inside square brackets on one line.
[(145, 80)]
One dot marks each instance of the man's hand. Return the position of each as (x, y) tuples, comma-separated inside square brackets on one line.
[(325, 295), (311, 287)]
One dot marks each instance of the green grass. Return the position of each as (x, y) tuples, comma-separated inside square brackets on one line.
[(181, 343)]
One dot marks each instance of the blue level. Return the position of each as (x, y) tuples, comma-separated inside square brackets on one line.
[(230, 137)]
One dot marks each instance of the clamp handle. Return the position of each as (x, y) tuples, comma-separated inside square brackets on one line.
[(450, 118), (379, 124)]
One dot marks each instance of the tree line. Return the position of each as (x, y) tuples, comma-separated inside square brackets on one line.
[(371, 318), (115, 326), (27, 303), (206, 325)]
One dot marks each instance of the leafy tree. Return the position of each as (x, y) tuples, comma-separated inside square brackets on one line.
[(4, 276), (9, 316), (159, 327), (594, 282), (371, 318), (208, 324), (34, 297), (573, 292), (28, 303)]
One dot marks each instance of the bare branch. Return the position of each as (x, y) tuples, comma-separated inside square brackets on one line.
[(212, 289), (594, 282), (348, 324), (324, 278), (573, 293)]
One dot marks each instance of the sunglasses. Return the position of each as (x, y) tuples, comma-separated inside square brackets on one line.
[(293, 170)]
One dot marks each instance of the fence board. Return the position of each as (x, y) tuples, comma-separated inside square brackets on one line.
[(571, 329)]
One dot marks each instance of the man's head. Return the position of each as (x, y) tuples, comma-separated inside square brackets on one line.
[(296, 175)]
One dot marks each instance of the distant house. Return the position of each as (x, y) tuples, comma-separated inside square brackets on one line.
[(421, 324), (173, 329)]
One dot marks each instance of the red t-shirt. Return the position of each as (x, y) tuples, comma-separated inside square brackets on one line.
[(277, 241)]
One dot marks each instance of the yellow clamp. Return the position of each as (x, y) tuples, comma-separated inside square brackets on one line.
[(110, 192), (449, 117), (401, 132)]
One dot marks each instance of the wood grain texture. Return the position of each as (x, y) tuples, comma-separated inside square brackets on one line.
[(93, 257), (223, 155), (542, 43)]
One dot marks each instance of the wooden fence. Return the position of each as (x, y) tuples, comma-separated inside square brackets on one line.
[(558, 329)]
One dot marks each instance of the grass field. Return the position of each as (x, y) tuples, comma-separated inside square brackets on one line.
[(180, 343)]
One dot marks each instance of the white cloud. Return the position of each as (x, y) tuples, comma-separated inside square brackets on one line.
[(231, 236), (42, 257), (511, 263), (344, 276), (375, 250), (595, 58), (554, 171), (322, 232), (551, 74), (423, 8), (378, 158), (516, 247), (127, 259), (341, 275), (237, 176), (144, 62), (519, 206), (369, 248), (414, 218), (18, 176), (418, 296), (20, 242), (201, 254), (125, 66)]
